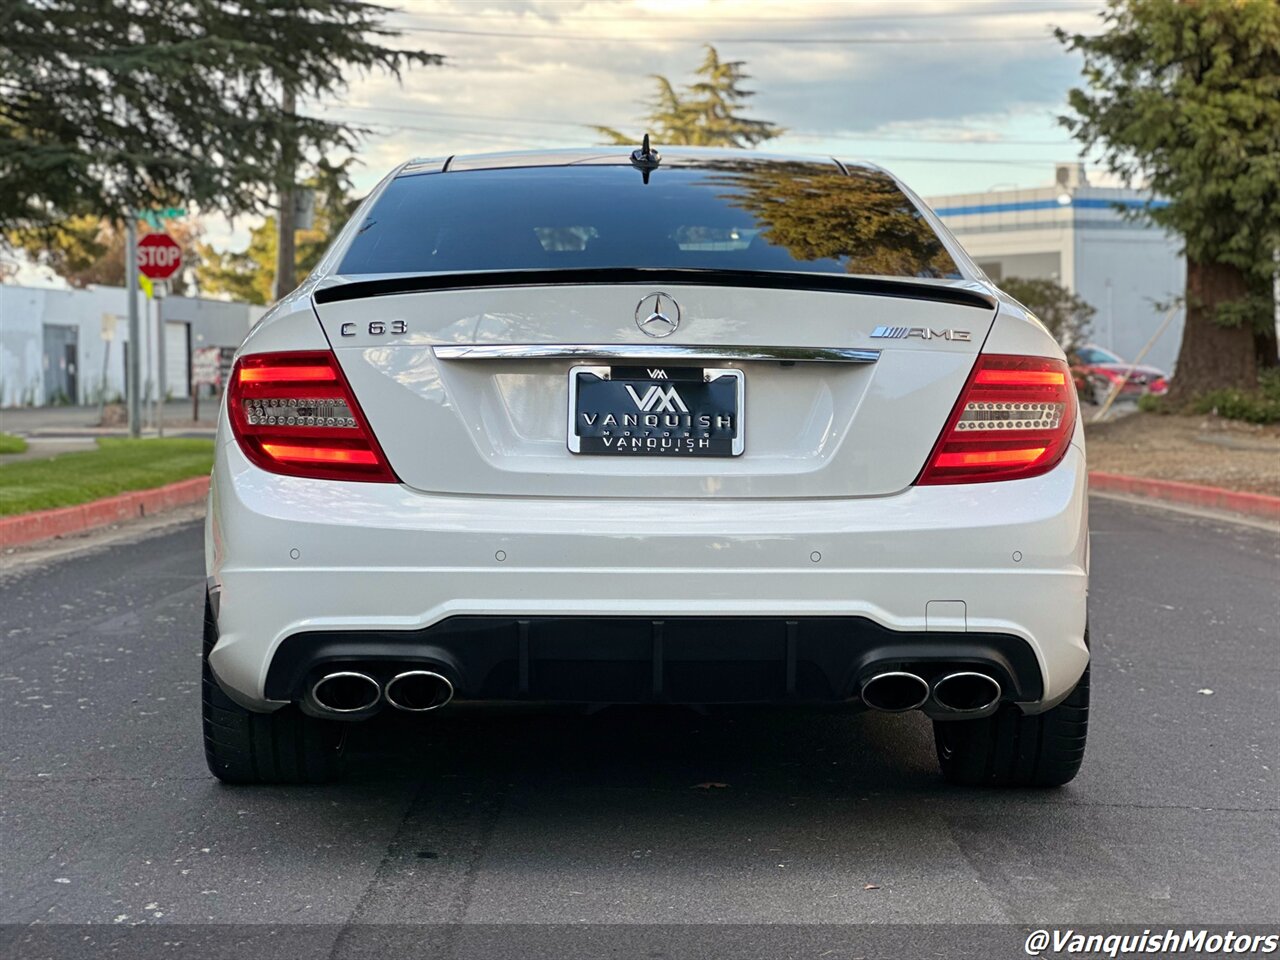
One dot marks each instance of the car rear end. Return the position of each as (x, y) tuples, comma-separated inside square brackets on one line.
[(724, 430)]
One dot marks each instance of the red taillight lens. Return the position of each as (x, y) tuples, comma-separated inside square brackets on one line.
[(1014, 419), (294, 413)]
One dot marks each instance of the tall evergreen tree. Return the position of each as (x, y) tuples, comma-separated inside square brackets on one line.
[(248, 275), (1186, 93), (107, 106), (705, 113)]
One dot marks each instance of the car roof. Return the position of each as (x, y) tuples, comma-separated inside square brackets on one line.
[(607, 156)]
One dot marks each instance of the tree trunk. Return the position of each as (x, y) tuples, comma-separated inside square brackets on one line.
[(1213, 356), (1265, 341), (285, 254)]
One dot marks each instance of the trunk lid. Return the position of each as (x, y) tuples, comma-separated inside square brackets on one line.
[(498, 426)]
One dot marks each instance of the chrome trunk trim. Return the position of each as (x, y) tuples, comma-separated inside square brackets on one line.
[(650, 351)]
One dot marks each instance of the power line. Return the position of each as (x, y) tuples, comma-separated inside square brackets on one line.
[(474, 134), (391, 129), (463, 116), (951, 141), (1022, 9), (870, 41), (584, 125)]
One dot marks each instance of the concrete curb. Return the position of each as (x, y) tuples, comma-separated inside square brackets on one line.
[(45, 524), (1192, 494)]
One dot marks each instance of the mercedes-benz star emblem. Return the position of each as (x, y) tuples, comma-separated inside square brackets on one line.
[(658, 315)]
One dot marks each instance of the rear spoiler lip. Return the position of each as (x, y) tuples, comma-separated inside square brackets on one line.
[(966, 296)]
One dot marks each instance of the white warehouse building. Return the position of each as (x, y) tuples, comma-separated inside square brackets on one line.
[(69, 346), (1072, 232)]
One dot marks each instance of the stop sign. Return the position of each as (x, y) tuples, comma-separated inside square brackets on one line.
[(159, 256)]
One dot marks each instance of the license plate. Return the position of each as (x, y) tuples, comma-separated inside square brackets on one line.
[(655, 412)]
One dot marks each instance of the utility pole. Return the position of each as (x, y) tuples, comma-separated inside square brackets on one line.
[(134, 371), (285, 216)]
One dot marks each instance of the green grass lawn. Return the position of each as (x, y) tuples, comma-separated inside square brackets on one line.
[(11, 444), (117, 466)]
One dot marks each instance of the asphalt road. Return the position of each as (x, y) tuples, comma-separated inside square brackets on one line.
[(511, 816)]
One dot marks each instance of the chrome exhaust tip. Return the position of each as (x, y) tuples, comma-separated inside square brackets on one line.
[(967, 692), (346, 691), (418, 691), (895, 692)]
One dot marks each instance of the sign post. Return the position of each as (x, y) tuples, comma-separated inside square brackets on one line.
[(159, 290), (133, 369), (159, 258), (206, 370)]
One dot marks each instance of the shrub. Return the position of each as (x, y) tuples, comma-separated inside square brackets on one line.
[(1153, 403), (1066, 315), (1254, 406)]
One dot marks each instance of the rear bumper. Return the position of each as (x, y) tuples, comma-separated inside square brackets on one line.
[(292, 559), (644, 660)]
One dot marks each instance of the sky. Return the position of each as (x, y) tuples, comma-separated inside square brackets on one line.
[(952, 95)]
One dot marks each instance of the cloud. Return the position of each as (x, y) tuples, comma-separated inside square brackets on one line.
[(568, 65)]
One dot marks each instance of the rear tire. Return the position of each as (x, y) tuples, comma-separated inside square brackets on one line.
[(1009, 749), (241, 746)]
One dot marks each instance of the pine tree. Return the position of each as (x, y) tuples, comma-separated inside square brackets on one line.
[(108, 106), (248, 275), (706, 113)]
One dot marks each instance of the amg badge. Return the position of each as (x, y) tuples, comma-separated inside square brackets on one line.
[(924, 333)]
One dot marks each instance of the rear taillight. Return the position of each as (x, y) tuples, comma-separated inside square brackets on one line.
[(1014, 419), (294, 413)]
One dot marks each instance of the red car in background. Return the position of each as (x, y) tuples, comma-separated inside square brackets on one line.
[(1096, 372)]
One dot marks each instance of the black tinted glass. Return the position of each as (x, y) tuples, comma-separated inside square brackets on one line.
[(738, 215)]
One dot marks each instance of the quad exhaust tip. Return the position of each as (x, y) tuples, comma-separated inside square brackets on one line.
[(418, 691), (967, 692), (346, 691), (895, 692)]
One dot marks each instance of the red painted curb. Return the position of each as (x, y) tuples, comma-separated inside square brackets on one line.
[(1193, 494), (45, 524)]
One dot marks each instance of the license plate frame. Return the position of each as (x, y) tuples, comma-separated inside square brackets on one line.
[(700, 385)]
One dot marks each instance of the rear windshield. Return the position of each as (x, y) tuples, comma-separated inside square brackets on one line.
[(735, 215)]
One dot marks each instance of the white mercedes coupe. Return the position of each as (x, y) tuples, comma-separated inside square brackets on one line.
[(602, 426)]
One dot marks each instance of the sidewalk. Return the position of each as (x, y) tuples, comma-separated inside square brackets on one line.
[(1201, 450), (83, 421), (42, 448)]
